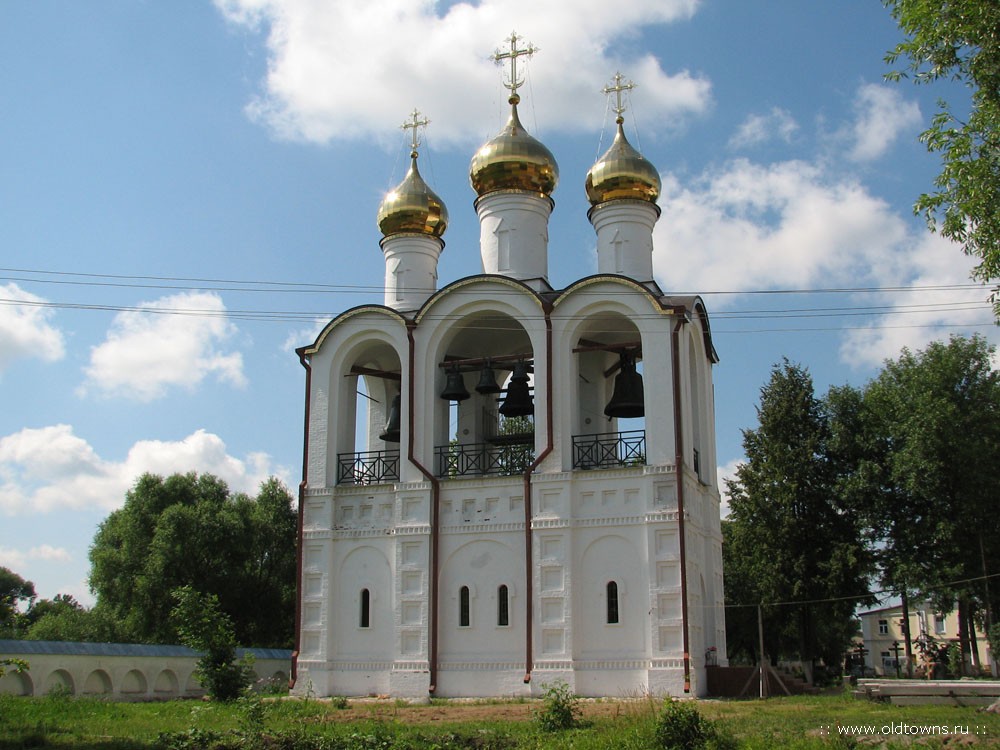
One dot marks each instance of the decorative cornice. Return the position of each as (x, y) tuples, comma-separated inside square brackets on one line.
[(478, 666), (482, 527)]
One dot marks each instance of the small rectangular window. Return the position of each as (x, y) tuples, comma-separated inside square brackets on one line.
[(503, 613), (463, 607), (612, 592), (366, 611), (883, 627)]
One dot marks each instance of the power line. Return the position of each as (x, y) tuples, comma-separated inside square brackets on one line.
[(175, 282), (270, 315), (945, 586), (308, 316)]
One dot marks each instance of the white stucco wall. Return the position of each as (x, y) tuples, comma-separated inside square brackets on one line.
[(119, 671)]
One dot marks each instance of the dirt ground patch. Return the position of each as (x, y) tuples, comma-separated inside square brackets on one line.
[(470, 711)]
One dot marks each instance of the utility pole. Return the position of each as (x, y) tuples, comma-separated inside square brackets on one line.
[(760, 639)]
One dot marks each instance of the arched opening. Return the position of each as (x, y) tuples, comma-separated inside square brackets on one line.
[(464, 615), (699, 457), (371, 428), (611, 595), (485, 422), (365, 620), (608, 427), (503, 607)]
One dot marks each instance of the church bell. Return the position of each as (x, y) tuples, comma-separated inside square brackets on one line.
[(487, 381), (391, 432), (627, 400), (454, 387), (518, 402)]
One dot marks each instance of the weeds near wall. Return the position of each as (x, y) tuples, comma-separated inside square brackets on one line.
[(560, 708)]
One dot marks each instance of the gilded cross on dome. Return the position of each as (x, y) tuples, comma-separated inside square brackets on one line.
[(514, 82), (617, 90), (413, 124)]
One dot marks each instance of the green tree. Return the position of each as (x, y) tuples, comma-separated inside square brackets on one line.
[(15, 592), (188, 530), (789, 540), (13, 665), (937, 415), (65, 619), (959, 40), (203, 626)]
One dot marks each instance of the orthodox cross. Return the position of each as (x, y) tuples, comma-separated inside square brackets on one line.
[(617, 90), (498, 57), (413, 124)]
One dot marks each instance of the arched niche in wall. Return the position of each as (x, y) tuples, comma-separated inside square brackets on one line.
[(134, 683), (481, 567), (98, 682), (611, 558), (364, 569), (59, 681), (166, 683), (16, 683)]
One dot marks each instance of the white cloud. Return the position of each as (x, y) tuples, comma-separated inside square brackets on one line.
[(925, 314), (791, 225), (785, 225), (342, 69), (20, 562), (172, 342), (722, 473), (304, 336), (24, 328), (882, 114), (12, 559), (42, 470), (48, 552), (757, 129)]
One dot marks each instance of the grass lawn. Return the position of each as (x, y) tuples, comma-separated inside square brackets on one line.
[(801, 722)]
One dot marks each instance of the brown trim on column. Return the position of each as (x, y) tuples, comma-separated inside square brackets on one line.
[(683, 313), (303, 360)]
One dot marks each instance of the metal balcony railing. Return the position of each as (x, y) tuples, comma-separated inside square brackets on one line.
[(367, 467), (609, 449), (484, 459)]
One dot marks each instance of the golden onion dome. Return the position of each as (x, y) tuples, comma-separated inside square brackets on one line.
[(412, 207), (513, 160), (622, 172)]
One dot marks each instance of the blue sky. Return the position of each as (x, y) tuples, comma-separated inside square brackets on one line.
[(189, 189)]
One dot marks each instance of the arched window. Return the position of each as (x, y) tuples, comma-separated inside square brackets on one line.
[(463, 607), (612, 596), (503, 610), (366, 608)]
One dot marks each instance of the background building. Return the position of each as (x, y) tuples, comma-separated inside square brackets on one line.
[(882, 629)]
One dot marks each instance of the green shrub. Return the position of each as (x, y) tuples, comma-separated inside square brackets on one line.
[(338, 702), (681, 727), (560, 708), (192, 739)]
